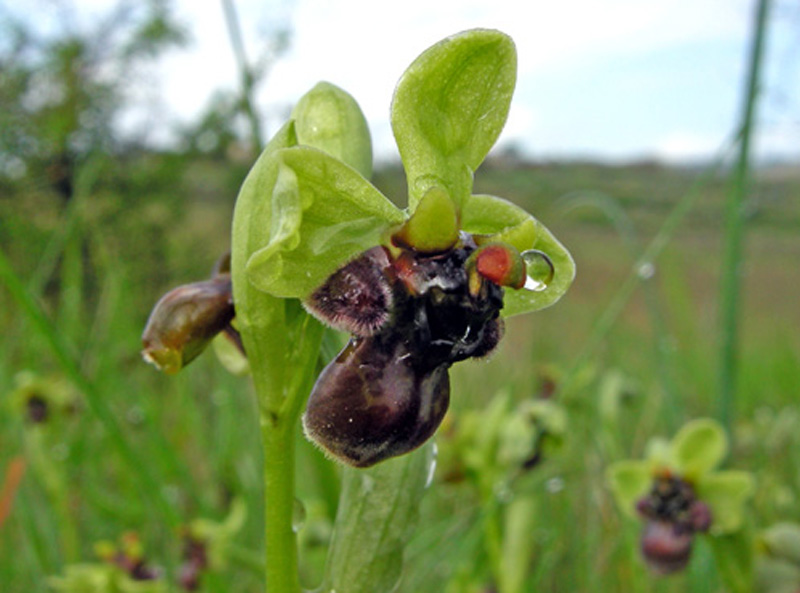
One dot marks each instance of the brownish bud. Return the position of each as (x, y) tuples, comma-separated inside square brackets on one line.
[(185, 320)]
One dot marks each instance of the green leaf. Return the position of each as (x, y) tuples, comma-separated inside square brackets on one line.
[(378, 511), (507, 222), (518, 543), (629, 481), (733, 554), (449, 108), (698, 448), (328, 118), (324, 213), (726, 494)]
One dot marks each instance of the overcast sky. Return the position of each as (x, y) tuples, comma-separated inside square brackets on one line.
[(616, 79)]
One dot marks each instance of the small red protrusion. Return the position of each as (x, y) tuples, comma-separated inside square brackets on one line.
[(495, 263)]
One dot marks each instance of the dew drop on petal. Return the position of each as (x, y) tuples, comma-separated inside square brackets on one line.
[(298, 515), (539, 270)]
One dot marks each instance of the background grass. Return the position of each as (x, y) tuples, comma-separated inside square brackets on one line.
[(173, 449)]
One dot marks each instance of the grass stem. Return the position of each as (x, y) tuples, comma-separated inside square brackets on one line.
[(734, 228)]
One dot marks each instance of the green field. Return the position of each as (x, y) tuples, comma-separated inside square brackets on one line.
[(119, 435)]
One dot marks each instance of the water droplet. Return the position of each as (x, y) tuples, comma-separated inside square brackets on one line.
[(135, 415), (539, 269), (555, 485), (432, 466), (646, 271), (298, 516)]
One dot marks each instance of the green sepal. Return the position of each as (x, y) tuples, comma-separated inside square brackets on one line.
[(698, 447), (448, 109), (324, 214), (260, 317), (328, 118), (726, 493), (500, 220), (629, 481)]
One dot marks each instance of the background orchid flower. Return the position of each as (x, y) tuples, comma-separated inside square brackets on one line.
[(678, 492)]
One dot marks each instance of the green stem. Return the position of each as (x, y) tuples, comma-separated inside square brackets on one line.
[(281, 540), (734, 227)]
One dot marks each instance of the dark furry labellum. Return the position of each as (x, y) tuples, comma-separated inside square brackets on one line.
[(412, 317), (372, 402), (673, 515)]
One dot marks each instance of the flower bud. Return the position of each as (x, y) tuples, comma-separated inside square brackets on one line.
[(185, 320)]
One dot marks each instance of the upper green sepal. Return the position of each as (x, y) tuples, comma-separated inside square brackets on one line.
[(328, 118), (449, 107), (324, 213)]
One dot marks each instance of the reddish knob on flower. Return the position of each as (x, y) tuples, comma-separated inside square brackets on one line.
[(499, 263)]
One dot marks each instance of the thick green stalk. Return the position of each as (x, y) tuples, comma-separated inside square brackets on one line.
[(734, 228), (281, 540)]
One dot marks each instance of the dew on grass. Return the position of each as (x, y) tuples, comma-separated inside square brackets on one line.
[(539, 270), (646, 271)]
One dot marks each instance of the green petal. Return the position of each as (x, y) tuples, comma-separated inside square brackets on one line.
[(507, 222), (328, 118), (324, 213), (433, 228), (629, 480), (698, 448), (726, 493), (449, 108)]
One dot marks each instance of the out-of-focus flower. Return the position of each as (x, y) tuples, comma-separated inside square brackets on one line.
[(677, 492)]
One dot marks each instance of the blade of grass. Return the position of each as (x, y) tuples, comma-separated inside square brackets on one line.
[(68, 361), (648, 256), (730, 285)]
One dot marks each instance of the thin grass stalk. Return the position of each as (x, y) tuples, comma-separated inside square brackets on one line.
[(247, 77), (648, 257), (730, 286)]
